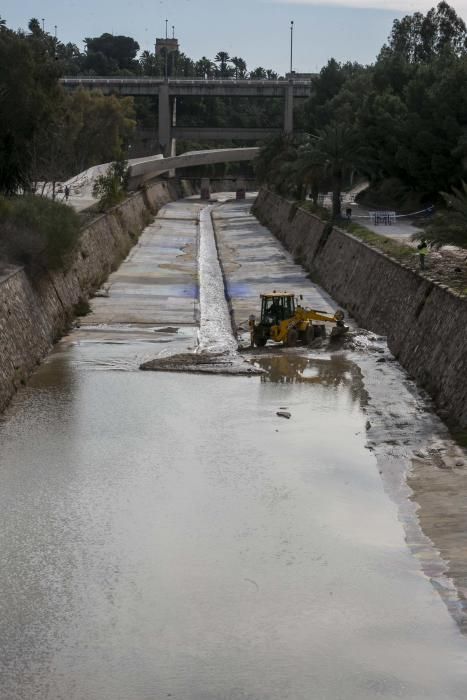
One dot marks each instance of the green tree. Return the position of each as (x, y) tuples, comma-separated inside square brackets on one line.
[(310, 169), (258, 74), (449, 227), (23, 111), (109, 53), (240, 67), (337, 150), (87, 128), (419, 38), (111, 188), (277, 166), (204, 67), (223, 58)]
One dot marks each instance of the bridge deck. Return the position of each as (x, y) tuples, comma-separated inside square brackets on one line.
[(194, 87)]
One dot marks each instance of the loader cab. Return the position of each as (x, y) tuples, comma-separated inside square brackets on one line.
[(276, 307)]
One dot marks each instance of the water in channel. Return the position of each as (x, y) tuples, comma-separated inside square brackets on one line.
[(168, 535)]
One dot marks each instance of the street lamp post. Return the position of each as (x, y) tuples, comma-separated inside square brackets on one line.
[(288, 113), (291, 47)]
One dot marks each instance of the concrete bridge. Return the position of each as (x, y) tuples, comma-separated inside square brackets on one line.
[(144, 169), (168, 90), (196, 133)]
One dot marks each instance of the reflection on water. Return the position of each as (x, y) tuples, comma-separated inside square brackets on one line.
[(169, 535), (335, 372)]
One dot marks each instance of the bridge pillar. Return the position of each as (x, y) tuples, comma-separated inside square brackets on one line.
[(205, 189), (288, 112), (240, 188), (173, 141), (164, 119)]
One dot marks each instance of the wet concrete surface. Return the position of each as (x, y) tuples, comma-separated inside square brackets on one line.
[(422, 468), (254, 262), (158, 283), (168, 535)]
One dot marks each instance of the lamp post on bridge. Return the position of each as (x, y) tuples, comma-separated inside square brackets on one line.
[(289, 96), (166, 51), (291, 47)]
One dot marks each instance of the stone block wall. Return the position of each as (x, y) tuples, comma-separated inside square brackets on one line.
[(425, 322)]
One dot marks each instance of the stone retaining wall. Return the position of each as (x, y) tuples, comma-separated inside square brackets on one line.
[(35, 313), (425, 322)]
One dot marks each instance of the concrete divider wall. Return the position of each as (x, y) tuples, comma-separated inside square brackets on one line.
[(35, 312), (425, 323)]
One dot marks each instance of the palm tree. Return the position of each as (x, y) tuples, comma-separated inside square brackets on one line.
[(276, 165), (148, 63), (337, 150), (204, 67), (34, 26), (310, 168), (222, 57), (240, 67)]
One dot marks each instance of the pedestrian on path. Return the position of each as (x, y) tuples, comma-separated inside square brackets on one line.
[(67, 193), (422, 252)]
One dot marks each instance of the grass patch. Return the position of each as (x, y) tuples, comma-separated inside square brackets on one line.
[(37, 231), (321, 212), (82, 307), (399, 251)]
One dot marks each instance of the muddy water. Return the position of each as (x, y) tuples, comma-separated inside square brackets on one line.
[(171, 536)]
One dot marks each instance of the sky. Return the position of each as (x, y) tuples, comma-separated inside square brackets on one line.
[(256, 30)]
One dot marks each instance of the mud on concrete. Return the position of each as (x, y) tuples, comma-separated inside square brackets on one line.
[(207, 363)]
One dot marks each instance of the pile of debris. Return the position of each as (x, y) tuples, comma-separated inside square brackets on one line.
[(206, 363)]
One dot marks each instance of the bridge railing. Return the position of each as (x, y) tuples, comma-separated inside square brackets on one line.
[(147, 80)]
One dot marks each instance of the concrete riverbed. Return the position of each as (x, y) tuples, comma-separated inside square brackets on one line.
[(168, 535)]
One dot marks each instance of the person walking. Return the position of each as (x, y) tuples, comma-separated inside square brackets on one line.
[(67, 193), (422, 252)]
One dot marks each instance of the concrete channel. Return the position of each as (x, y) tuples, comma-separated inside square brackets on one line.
[(168, 535)]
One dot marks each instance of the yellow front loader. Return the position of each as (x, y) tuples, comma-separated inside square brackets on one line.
[(284, 321)]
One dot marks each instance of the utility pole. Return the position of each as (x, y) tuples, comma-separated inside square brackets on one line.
[(166, 26), (43, 24), (291, 47)]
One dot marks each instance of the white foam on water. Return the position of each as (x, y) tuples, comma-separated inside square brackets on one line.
[(215, 330)]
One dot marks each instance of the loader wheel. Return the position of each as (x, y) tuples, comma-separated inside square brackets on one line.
[(259, 340), (310, 334), (292, 337)]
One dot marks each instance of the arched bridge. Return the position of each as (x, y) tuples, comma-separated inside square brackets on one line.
[(144, 169)]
